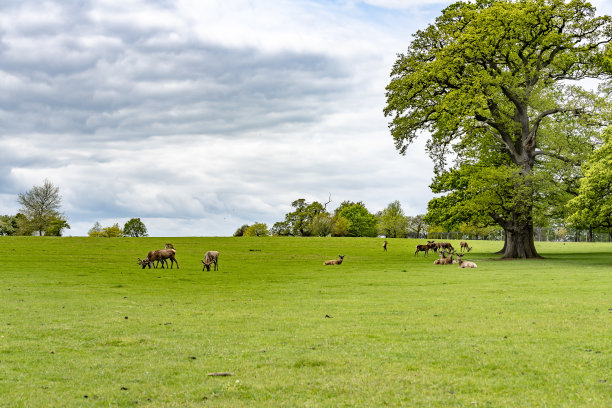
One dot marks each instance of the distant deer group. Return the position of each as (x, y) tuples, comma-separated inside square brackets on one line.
[(433, 246)]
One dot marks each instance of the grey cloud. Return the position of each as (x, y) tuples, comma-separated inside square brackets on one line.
[(128, 86)]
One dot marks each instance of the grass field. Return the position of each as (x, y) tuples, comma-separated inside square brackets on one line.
[(81, 324)]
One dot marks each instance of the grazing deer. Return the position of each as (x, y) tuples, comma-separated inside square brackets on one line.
[(210, 257), (465, 264), (161, 255), (422, 248), (335, 261), (464, 245)]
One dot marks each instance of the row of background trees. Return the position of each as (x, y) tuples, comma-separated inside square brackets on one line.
[(352, 219), (587, 216)]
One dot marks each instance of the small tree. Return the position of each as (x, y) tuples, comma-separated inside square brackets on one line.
[(96, 230), (240, 231), (8, 225), (56, 227), (417, 225), (362, 223), (258, 229), (392, 223), (112, 232), (135, 228), (40, 206)]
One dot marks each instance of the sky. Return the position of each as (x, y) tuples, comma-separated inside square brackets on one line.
[(199, 116)]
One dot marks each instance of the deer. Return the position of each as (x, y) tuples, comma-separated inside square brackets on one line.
[(210, 257), (445, 245), (465, 264), (443, 259), (159, 255), (464, 245), (335, 261), (422, 248), (433, 245)]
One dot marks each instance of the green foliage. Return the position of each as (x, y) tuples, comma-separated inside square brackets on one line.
[(240, 231), (96, 230), (81, 330), (135, 228), (112, 232), (298, 222), (107, 232), (341, 226), (258, 229), (56, 227), (8, 225), (39, 207), (592, 208), (322, 225), (490, 81), (362, 223), (392, 222)]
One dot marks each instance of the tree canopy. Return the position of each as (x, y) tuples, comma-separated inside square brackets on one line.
[(135, 228), (40, 209), (491, 83), (592, 208), (392, 222)]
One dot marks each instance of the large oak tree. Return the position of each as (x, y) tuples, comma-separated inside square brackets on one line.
[(492, 82)]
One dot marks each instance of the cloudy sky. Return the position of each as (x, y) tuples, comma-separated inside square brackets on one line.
[(199, 116)]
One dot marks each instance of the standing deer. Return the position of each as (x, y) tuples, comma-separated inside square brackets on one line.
[(464, 245), (335, 261), (210, 257), (159, 255), (422, 248)]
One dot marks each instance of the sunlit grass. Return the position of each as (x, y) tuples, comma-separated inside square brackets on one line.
[(82, 325)]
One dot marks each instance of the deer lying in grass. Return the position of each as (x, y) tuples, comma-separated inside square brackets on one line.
[(210, 257), (443, 259), (464, 245), (465, 264), (335, 261)]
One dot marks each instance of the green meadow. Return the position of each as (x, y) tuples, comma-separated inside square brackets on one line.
[(81, 324)]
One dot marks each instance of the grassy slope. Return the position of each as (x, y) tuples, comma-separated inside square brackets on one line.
[(81, 324)]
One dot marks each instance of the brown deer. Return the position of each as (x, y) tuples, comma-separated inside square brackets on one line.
[(210, 257), (422, 248), (335, 261), (160, 255), (443, 259), (464, 245)]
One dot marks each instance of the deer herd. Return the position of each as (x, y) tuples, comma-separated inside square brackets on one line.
[(441, 248), (154, 258)]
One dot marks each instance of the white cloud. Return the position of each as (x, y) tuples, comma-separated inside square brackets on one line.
[(200, 116)]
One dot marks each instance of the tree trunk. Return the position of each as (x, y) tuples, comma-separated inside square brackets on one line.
[(520, 242)]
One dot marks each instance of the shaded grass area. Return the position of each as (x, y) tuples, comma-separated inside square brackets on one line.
[(81, 324)]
